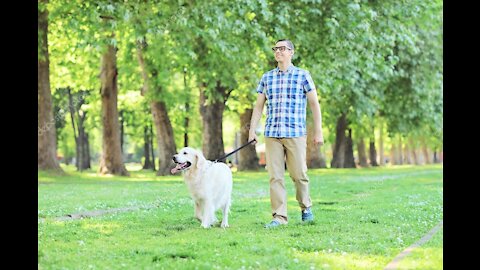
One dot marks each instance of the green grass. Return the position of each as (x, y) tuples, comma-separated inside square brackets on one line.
[(363, 219)]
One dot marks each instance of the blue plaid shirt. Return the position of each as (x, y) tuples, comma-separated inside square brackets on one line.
[(286, 94)]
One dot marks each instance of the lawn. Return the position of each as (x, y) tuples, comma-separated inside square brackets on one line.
[(363, 219)]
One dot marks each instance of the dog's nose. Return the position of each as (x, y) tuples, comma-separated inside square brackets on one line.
[(174, 159)]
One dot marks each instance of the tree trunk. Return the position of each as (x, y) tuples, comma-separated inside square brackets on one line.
[(426, 153), (85, 164), (163, 126), (81, 143), (413, 150), (187, 109), (77, 130), (435, 156), (338, 160), (86, 151), (398, 151), (393, 155), (77, 117), (406, 154), (165, 139), (185, 126), (148, 164), (122, 130), (78, 154), (212, 118), (47, 145), (152, 146), (381, 146), (349, 158), (315, 158), (111, 161), (247, 157), (146, 149), (373, 153), (362, 154), (83, 156)]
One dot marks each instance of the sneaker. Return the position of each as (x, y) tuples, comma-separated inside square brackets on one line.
[(307, 214), (273, 224)]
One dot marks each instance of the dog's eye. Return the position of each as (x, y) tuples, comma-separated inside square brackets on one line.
[(184, 153)]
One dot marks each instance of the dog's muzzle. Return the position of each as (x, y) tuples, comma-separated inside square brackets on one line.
[(180, 166)]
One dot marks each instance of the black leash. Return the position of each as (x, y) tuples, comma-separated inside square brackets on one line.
[(233, 152)]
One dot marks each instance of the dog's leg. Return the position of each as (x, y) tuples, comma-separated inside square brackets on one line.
[(198, 211), (226, 209), (208, 214)]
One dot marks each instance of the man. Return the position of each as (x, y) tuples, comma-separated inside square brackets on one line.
[(286, 89)]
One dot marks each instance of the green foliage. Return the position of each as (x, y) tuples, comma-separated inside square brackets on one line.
[(369, 59)]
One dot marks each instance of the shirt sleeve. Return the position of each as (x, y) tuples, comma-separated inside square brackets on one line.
[(308, 84), (261, 85)]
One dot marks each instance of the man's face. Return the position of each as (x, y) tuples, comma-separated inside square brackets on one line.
[(283, 56)]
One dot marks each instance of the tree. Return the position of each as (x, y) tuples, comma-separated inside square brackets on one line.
[(247, 157), (47, 149), (220, 39), (111, 160), (149, 162), (78, 116), (165, 138), (91, 28), (315, 158), (362, 156), (413, 102), (377, 67)]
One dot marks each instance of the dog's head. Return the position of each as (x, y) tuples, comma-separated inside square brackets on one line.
[(186, 159)]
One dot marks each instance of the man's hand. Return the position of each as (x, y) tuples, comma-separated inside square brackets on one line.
[(318, 140), (252, 136)]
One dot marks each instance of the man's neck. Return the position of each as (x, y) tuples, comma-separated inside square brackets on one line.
[(284, 66)]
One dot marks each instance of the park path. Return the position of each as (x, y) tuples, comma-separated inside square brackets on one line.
[(394, 263)]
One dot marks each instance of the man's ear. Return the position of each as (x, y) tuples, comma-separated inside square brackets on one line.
[(200, 159)]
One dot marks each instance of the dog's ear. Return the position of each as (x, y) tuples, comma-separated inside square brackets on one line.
[(200, 159)]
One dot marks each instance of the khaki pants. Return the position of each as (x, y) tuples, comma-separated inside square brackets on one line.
[(293, 151)]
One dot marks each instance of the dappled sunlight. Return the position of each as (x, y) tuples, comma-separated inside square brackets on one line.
[(264, 200), (422, 259), (328, 259), (249, 176), (427, 256), (102, 227), (139, 175), (410, 166), (55, 223), (133, 167), (92, 176), (46, 180), (68, 168)]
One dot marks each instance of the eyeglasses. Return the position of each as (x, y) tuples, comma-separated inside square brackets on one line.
[(281, 48)]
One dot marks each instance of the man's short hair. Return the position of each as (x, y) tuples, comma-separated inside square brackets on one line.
[(289, 43)]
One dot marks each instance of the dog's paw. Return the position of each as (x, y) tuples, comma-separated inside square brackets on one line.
[(205, 226), (224, 225)]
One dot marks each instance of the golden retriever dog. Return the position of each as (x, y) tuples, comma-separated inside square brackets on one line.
[(209, 184)]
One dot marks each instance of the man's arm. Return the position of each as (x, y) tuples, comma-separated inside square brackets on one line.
[(256, 116), (317, 117)]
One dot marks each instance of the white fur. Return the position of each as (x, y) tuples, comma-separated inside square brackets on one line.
[(210, 186)]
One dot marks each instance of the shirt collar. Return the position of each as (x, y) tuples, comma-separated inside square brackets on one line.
[(290, 68)]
